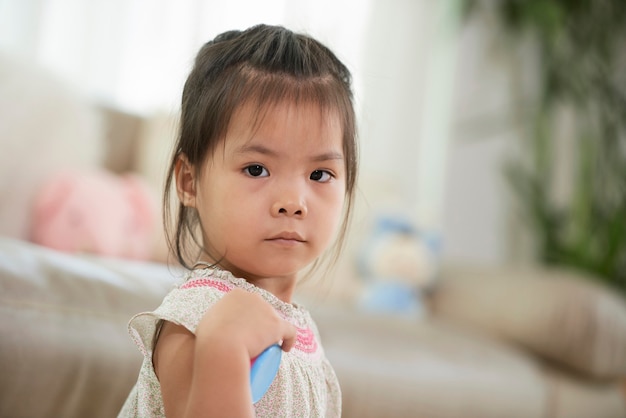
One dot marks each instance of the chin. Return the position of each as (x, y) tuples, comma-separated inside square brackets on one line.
[(264, 266), (275, 270)]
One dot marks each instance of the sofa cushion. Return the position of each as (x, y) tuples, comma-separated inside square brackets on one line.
[(64, 346), (573, 396), (558, 314), (394, 367)]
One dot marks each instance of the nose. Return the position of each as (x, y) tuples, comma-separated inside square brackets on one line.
[(290, 207)]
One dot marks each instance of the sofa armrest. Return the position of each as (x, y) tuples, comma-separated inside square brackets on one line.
[(64, 346), (558, 314)]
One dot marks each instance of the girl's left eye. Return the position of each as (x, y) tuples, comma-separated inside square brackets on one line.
[(257, 170), (321, 176)]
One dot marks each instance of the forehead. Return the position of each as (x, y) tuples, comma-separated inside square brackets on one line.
[(284, 122)]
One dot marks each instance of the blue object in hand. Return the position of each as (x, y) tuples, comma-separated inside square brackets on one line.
[(263, 370)]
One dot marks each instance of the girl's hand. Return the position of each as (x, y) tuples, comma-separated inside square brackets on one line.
[(208, 375), (245, 319)]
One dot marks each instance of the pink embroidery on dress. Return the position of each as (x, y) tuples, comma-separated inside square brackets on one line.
[(305, 340), (222, 287)]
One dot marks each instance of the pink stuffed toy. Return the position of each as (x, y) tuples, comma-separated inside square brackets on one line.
[(96, 212)]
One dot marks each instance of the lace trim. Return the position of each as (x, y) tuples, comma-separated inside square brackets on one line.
[(203, 274), (224, 281)]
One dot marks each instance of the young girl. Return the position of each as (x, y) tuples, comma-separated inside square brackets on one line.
[(264, 169)]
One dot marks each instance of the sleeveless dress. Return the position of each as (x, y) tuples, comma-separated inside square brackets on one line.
[(306, 384)]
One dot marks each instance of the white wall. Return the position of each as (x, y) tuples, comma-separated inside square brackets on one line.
[(472, 211), (477, 206)]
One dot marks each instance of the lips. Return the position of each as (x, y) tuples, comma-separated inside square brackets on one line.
[(287, 236)]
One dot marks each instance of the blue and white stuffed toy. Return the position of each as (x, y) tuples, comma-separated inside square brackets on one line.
[(398, 263)]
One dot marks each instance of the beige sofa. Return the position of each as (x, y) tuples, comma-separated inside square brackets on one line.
[(498, 343)]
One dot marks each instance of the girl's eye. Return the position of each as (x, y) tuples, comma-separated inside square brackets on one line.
[(257, 170), (321, 175)]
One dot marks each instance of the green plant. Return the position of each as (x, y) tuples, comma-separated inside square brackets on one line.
[(581, 51)]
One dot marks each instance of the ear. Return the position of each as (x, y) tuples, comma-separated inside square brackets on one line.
[(185, 174)]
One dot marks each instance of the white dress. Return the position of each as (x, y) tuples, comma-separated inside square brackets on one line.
[(305, 386)]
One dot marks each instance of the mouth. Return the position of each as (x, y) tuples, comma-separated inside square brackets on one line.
[(287, 237)]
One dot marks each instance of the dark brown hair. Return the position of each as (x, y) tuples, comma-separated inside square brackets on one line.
[(264, 65)]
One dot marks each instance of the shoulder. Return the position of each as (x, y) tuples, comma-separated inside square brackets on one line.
[(185, 305), (188, 302)]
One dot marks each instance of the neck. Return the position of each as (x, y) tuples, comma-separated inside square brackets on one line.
[(281, 287)]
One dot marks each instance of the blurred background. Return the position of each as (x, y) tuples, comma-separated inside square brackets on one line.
[(486, 266), (471, 113), (423, 82)]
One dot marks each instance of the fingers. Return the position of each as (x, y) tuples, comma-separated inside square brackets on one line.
[(289, 336), (249, 319)]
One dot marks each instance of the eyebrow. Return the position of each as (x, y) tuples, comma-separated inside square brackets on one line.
[(260, 149)]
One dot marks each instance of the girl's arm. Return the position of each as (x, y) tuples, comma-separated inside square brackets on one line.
[(208, 375)]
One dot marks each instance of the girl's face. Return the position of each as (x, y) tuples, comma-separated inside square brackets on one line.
[(271, 197)]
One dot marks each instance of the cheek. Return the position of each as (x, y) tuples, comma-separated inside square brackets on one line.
[(233, 214), (332, 214)]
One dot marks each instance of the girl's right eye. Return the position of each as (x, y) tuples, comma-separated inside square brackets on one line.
[(256, 170)]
